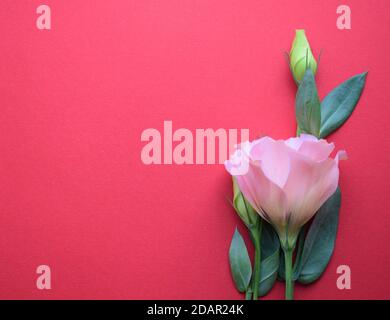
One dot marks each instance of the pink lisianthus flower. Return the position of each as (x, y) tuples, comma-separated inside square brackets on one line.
[(286, 181)]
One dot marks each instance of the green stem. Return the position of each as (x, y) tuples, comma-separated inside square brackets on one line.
[(256, 237), (248, 294), (289, 279), (298, 131)]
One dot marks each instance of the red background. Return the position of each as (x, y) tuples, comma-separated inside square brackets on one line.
[(74, 100)]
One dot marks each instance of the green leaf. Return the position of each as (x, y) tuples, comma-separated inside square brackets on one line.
[(268, 273), (270, 258), (269, 240), (339, 104), (240, 264), (307, 105), (320, 240)]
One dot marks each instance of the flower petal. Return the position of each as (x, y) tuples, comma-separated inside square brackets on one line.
[(239, 161), (310, 146), (308, 186), (265, 196), (274, 159), (296, 142)]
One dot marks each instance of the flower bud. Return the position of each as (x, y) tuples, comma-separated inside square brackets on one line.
[(247, 214), (301, 56)]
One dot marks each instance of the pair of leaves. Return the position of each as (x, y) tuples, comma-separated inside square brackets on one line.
[(331, 114), (321, 119), (314, 251), (240, 263)]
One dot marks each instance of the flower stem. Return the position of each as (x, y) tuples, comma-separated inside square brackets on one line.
[(256, 237), (289, 281), (298, 131), (248, 294)]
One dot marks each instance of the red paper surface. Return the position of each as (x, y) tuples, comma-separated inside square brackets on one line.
[(74, 100)]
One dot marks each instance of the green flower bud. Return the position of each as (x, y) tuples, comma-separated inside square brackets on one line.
[(247, 214), (301, 56)]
